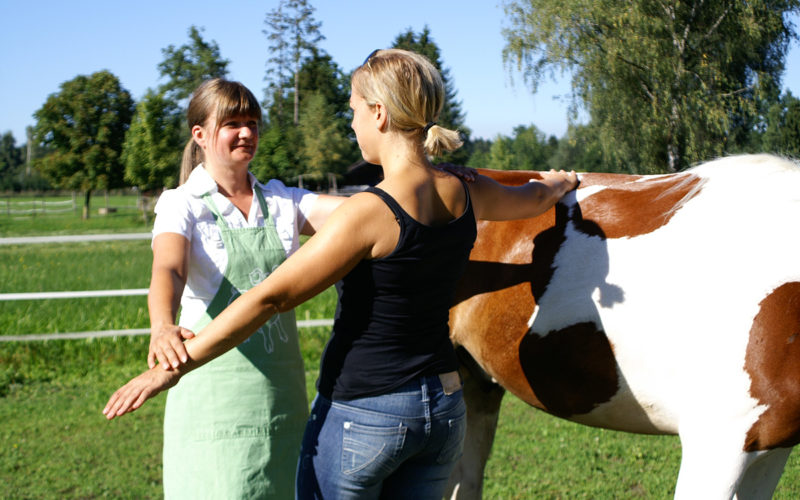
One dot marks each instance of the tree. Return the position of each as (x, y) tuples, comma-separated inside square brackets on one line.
[(665, 81), (84, 126), (11, 162), (580, 150), (283, 150), (189, 65), (325, 148), (451, 116), (276, 159), (293, 34), (528, 149), (782, 134), (153, 147), (479, 151)]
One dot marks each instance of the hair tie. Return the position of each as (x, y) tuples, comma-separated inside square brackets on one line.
[(428, 127)]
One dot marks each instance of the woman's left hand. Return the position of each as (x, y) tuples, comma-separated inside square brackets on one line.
[(467, 173), (133, 394)]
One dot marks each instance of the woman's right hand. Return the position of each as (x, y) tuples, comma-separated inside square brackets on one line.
[(138, 390), (166, 346), (565, 181)]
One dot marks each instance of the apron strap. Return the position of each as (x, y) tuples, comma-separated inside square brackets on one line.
[(264, 210), (218, 218)]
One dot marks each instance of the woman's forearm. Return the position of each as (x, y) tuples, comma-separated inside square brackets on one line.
[(164, 296), (231, 327)]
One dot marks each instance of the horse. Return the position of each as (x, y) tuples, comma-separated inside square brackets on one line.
[(657, 304)]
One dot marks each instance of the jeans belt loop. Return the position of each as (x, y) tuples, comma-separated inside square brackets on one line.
[(451, 382)]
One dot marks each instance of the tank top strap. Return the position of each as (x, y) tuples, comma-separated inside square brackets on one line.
[(468, 206), (395, 207)]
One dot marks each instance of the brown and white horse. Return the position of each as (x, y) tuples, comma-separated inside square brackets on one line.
[(648, 304)]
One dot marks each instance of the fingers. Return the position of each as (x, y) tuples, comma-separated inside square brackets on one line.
[(132, 395), (127, 399), (167, 347)]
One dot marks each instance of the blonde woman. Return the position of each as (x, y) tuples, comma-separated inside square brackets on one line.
[(389, 419)]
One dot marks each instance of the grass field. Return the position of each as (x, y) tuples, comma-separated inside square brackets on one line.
[(56, 444)]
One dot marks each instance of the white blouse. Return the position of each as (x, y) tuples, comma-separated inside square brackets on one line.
[(183, 211)]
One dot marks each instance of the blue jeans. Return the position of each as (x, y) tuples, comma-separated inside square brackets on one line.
[(398, 445)]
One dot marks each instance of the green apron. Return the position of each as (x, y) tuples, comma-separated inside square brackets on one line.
[(233, 427)]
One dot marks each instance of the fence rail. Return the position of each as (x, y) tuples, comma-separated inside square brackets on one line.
[(72, 295), (307, 323), (38, 206)]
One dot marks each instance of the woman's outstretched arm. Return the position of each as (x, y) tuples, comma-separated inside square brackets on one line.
[(351, 233), (495, 201)]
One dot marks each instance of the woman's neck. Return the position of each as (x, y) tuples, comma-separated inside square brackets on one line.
[(233, 184), (400, 155), (231, 181)]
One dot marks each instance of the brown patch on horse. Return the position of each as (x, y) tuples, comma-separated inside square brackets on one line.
[(570, 370), (494, 301), (632, 207), (773, 363)]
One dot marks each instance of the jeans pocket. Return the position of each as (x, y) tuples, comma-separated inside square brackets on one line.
[(454, 444), (368, 451)]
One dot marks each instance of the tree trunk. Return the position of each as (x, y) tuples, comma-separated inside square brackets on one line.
[(296, 97), (673, 154), (86, 204)]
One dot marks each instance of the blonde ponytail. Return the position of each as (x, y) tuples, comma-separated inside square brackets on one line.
[(438, 140)]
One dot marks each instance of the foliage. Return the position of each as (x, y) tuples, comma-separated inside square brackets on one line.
[(580, 150), (665, 82), (479, 150), (189, 65), (451, 116), (325, 148), (287, 150), (278, 154), (152, 149), (11, 161), (84, 127), (528, 149), (782, 134)]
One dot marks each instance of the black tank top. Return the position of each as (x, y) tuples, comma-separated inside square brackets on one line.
[(391, 325)]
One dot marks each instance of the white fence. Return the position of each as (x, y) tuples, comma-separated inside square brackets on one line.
[(42, 206), (34, 207), (93, 293), (104, 333)]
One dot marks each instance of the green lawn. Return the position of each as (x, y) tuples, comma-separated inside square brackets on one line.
[(56, 443)]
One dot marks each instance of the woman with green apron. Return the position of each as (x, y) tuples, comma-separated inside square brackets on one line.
[(232, 429)]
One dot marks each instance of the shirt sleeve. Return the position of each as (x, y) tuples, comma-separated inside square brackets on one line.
[(302, 199), (173, 214)]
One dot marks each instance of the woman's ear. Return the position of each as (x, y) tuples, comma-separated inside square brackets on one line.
[(381, 116), (199, 135)]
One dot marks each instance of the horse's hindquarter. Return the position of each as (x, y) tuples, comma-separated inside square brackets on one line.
[(630, 306)]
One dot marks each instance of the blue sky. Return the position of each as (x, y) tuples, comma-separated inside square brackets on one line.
[(47, 42)]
